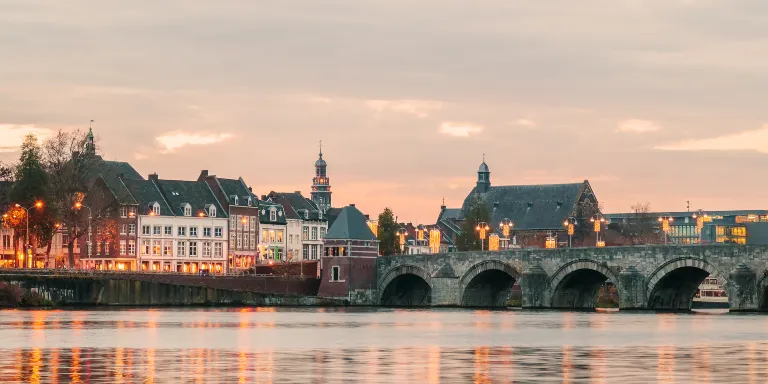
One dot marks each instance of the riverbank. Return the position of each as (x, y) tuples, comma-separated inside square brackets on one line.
[(12, 296)]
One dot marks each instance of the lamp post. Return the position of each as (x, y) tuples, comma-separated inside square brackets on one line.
[(570, 224), (505, 226), (80, 206), (598, 221), (482, 230), (700, 218), (420, 236), (38, 205), (401, 235), (665, 220)]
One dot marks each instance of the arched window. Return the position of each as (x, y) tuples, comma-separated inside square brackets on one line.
[(212, 211)]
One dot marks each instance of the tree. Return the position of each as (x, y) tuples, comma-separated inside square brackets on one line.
[(476, 213), (74, 170), (387, 233)]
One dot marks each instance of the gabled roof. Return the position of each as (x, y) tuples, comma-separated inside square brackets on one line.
[(145, 192), (265, 207), (350, 225), (331, 214), (112, 172), (196, 193), (449, 214), (298, 203), (237, 188), (531, 207)]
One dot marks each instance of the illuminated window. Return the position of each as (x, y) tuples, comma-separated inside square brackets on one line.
[(156, 247), (218, 249), (123, 247), (279, 236), (131, 247), (193, 248), (181, 248)]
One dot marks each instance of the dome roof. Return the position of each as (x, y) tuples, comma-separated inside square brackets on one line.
[(483, 167), (320, 162)]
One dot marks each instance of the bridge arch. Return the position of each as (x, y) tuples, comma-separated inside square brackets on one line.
[(672, 286), (405, 286), (487, 284), (575, 285)]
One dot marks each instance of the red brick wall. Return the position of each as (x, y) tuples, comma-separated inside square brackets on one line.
[(355, 273)]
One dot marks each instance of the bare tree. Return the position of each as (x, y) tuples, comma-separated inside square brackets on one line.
[(74, 172)]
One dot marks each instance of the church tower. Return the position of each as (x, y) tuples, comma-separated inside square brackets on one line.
[(90, 146), (483, 178), (321, 188)]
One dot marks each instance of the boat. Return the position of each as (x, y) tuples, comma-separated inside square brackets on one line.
[(710, 295)]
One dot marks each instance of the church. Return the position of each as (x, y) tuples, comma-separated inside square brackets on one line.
[(536, 212)]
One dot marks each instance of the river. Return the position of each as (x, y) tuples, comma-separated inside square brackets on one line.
[(293, 345)]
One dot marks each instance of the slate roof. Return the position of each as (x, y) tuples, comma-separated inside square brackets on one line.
[(111, 172), (145, 192), (449, 214), (264, 208), (531, 207), (238, 188), (331, 214), (196, 193), (350, 225), (298, 203)]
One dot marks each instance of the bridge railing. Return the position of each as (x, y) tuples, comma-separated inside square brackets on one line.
[(91, 272)]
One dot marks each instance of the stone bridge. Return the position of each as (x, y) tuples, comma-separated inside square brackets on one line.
[(646, 277)]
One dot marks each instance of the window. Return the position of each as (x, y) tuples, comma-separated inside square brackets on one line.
[(193, 249), (218, 249), (156, 209), (305, 252), (181, 248), (131, 211), (206, 249), (131, 229), (322, 233), (206, 231), (306, 214), (253, 242), (272, 214), (305, 233), (182, 231), (146, 230), (145, 245), (244, 221), (167, 247), (212, 211), (168, 230), (290, 239), (156, 230), (187, 210), (131, 247), (233, 221), (320, 213), (235, 199), (124, 229), (250, 201), (98, 247), (272, 236), (122, 247), (335, 273), (156, 247), (313, 252), (279, 236), (264, 236), (239, 240), (7, 241), (193, 231), (123, 211), (314, 233), (218, 232), (253, 224), (232, 239)]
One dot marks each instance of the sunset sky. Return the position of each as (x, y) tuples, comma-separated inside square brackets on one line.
[(660, 100)]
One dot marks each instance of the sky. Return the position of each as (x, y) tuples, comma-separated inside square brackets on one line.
[(658, 101)]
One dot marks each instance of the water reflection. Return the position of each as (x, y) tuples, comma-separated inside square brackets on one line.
[(269, 345)]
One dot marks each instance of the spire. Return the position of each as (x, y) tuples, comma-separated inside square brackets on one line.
[(321, 149), (90, 146)]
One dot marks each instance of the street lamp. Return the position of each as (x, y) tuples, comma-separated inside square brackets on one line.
[(665, 220), (700, 218), (598, 220), (505, 226), (420, 234), (569, 225), (482, 230), (38, 205), (80, 206), (401, 234)]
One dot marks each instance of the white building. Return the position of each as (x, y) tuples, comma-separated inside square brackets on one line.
[(307, 224), (272, 239), (182, 226)]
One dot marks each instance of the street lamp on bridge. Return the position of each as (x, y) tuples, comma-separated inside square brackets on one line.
[(505, 226), (569, 225), (598, 220), (482, 229), (665, 220), (38, 205)]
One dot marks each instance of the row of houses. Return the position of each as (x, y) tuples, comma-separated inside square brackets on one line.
[(210, 223)]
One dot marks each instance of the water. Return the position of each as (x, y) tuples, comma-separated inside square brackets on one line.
[(284, 345)]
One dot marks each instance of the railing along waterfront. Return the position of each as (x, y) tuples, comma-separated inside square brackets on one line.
[(90, 272)]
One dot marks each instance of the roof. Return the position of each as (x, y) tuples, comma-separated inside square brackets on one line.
[(483, 167), (449, 214), (145, 192), (235, 187), (350, 225), (298, 203), (112, 172), (331, 214), (531, 207), (264, 212), (195, 193)]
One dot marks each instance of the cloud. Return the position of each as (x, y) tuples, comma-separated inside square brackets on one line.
[(754, 140), (460, 129), (178, 139), (525, 123), (320, 99), (418, 108), (638, 126), (12, 135)]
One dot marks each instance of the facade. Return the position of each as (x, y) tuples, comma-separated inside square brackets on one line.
[(537, 212), (348, 267), (181, 226), (311, 222), (241, 206), (273, 225), (321, 185)]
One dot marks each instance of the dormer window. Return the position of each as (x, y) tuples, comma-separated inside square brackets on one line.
[(306, 214), (272, 214), (320, 215), (235, 199), (212, 211), (154, 209), (187, 209), (250, 201)]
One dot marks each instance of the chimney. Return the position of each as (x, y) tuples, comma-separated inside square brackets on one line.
[(203, 175), (297, 192), (250, 189), (352, 205), (153, 177), (264, 197)]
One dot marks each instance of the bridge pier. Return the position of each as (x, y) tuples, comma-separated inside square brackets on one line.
[(445, 287), (631, 288), (535, 287), (742, 289)]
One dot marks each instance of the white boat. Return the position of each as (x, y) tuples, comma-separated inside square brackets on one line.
[(710, 295)]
